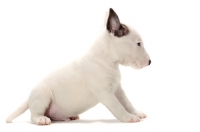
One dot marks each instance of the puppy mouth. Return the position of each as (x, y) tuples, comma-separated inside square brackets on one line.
[(132, 64), (135, 65)]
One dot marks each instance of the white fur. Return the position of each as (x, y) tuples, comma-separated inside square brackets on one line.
[(94, 78)]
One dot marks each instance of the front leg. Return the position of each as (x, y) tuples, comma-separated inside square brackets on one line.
[(112, 103), (121, 96)]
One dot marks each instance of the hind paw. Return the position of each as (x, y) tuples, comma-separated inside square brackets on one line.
[(43, 120), (74, 118)]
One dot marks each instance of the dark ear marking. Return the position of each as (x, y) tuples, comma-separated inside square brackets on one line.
[(113, 23), (122, 31), (114, 26)]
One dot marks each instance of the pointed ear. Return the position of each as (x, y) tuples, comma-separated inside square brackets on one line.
[(114, 26), (113, 23)]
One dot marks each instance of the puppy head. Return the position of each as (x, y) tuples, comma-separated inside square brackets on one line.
[(127, 45)]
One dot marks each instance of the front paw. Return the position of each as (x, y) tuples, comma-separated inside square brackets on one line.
[(130, 118), (141, 115)]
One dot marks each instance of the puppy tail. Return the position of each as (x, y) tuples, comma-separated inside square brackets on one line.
[(18, 112)]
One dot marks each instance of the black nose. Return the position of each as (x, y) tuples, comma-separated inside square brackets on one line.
[(149, 62)]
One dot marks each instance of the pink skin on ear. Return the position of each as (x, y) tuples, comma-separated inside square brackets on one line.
[(106, 18)]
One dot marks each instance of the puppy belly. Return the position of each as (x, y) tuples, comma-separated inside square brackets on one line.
[(61, 112), (55, 113)]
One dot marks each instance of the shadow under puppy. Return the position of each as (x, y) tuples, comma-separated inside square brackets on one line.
[(94, 78)]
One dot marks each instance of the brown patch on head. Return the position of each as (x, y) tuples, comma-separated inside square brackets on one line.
[(123, 30), (114, 26)]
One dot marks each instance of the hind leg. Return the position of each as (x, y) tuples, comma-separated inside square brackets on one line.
[(39, 101), (38, 109)]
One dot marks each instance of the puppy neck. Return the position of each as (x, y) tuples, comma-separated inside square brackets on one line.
[(104, 49)]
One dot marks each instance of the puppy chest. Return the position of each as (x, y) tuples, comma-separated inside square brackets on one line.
[(114, 87), (112, 83)]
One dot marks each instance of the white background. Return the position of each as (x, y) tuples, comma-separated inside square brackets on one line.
[(39, 36)]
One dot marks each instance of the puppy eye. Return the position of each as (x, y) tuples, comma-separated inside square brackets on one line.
[(138, 44)]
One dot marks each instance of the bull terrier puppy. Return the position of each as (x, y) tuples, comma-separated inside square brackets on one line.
[(94, 78)]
